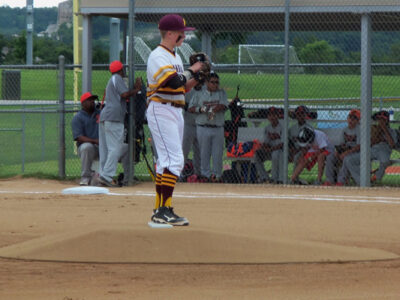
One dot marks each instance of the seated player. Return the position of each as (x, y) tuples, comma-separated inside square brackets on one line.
[(382, 141), (271, 149), (336, 172), (301, 114), (315, 147)]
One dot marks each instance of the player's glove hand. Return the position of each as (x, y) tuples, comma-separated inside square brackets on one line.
[(205, 70)]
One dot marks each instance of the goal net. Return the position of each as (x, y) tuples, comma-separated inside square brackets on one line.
[(263, 55)]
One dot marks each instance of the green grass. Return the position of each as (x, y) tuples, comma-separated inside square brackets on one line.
[(43, 85)]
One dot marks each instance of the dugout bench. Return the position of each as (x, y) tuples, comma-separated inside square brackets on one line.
[(246, 134)]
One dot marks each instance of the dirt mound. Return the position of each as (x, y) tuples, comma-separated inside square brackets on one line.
[(180, 245)]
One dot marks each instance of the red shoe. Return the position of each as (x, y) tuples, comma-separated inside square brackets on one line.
[(373, 178), (339, 184), (327, 183)]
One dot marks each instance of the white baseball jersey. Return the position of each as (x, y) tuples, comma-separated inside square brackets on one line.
[(162, 65), (321, 141), (165, 120)]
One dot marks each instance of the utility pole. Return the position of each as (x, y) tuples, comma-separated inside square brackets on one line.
[(29, 32), (114, 39)]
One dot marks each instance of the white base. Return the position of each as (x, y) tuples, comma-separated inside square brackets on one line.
[(85, 190), (157, 225)]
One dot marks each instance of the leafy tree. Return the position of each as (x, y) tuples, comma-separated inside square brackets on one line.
[(13, 20), (228, 56), (18, 49), (3, 46), (65, 34), (320, 52), (317, 52), (100, 53)]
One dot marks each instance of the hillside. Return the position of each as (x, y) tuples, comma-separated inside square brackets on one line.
[(13, 20)]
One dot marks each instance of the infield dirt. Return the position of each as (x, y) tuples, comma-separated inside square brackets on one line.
[(243, 242)]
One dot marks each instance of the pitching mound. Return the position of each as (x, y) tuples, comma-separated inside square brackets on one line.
[(181, 245)]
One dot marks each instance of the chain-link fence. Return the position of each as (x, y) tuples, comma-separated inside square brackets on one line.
[(247, 48)]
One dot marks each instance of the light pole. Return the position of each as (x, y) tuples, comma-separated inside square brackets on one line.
[(29, 32)]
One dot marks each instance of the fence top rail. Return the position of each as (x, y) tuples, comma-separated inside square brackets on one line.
[(216, 66), (36, 102), (247, 102)]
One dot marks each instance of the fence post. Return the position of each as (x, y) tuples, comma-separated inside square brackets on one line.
[(61, 116), (23, 137), (366, 101), (286, 97), (131, 113)]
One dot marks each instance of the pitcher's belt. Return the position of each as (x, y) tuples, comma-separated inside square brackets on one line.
[(172, 103)]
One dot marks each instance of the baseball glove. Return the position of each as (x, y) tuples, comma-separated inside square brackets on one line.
[(204, 73)]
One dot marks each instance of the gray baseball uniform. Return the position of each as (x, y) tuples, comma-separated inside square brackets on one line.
[(273, 137), (190, 140), (380, 152), (111, 130), (349, 138), (210, 131)]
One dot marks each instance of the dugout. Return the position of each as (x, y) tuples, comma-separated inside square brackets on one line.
[(210, 16)]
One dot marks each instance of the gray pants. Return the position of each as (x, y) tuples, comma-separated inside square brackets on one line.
[(380, 152), (211, 142), (87, 152), (336, 170), (189, 140), (112, 149), (276, 158)]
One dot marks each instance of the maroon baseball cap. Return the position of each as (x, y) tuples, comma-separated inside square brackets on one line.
[(173, 23)]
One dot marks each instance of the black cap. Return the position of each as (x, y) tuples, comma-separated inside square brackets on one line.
[(380, 114)]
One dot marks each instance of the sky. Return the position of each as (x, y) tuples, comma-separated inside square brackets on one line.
[(36, 3)]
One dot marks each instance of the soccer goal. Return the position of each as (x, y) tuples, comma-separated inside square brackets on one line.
[(267, 58)]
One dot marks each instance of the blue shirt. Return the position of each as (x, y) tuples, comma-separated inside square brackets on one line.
[(84, 124)]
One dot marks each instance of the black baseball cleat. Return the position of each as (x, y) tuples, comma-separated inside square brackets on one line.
[(166, 215), (154, 213)]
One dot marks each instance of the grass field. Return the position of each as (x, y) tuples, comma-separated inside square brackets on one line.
[(43, 85), (38, 144)]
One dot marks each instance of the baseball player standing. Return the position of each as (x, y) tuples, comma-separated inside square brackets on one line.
[(190, 140), (210, 103), (167, 83), (111, 129)]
